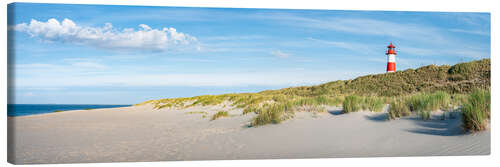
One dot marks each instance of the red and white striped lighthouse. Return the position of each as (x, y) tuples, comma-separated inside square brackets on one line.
[(391, 58)]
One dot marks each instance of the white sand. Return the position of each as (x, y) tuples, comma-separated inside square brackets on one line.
[(143, 134)]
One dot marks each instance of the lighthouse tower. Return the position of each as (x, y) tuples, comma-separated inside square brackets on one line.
[(391, 58)]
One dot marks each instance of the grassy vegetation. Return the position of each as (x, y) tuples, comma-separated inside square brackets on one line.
[(475, 107), (196, 112), (372, 103), (355, 103), (417, 91), (429, 101), (352, 104), (203, 113), (59, 110), (274, 113), (475, 74), (422, 104), (397, 109), (219, 115), (425, 115), (476, 112)]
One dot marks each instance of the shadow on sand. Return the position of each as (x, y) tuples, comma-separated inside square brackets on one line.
[(436, 126), (382, 117), (335, 112)]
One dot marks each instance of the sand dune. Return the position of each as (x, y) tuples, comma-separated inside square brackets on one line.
[(140, 133)]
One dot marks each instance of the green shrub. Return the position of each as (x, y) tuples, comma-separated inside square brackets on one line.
[(476, 112), (482, 99), (352, 104), (417, 102), (439, 100), (374, 104), (398, 109), (429, 101), (473, 118)]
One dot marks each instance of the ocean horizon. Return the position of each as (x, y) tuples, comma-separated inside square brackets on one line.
[(14, 110)]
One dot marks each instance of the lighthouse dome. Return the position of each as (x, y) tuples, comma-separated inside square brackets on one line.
[(391, 46)]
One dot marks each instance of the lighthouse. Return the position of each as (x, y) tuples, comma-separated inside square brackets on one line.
[(391, 58)]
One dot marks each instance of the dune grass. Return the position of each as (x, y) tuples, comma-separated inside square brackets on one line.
[(431, 78), (273, 113), (355, 103), (474, 74), (425, 115), (280, 109), (352, 104), (219, 115), (197, 112), (397, 109), (476, 112), (429, 101), (422, 104), (418, 91), (374, 104), (475, 107)]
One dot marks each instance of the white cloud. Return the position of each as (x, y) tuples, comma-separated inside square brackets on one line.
[(364, 27), (108, 37), (475, 32), (280, 54)]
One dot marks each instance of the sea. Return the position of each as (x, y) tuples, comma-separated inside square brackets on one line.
[(32, 109)]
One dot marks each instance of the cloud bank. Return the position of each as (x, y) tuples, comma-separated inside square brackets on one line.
[(108, 37)]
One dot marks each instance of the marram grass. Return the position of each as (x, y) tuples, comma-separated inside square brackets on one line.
[(219, 115), (352, 104), (476, 112), (398, 109), (418, 91)]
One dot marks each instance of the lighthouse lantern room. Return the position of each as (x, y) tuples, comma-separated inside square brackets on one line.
[(391, 58)]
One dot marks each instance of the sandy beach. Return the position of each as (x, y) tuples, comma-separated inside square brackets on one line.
[(141, 133)]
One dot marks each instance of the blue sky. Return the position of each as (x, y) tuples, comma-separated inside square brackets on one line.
[(93, 54)]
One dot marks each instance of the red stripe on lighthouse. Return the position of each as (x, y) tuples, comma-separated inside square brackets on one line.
[(391, 66)]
